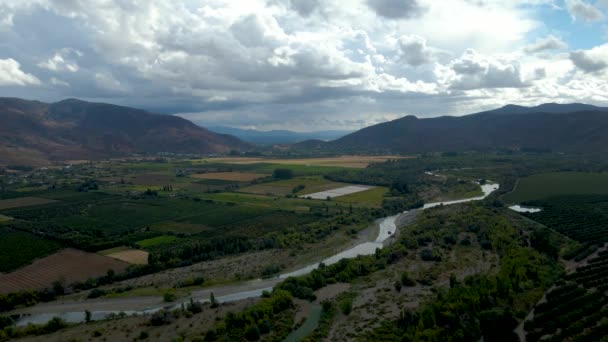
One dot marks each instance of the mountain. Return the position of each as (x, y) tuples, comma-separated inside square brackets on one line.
[(34, 132), (554, 127), (278, 136)]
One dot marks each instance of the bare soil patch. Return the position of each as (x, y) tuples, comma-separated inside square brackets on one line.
[(132, 256), (68, 265)]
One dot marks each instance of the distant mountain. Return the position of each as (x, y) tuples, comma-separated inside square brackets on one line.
[(554, 127), (33, 132), (278, 136)]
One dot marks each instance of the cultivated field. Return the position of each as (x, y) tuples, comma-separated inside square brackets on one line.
[(68, 265), (346, 190), (308, 185), (341, 161), (132, 256), (230, 176), (23, 202), (20, 248), (558, 183)]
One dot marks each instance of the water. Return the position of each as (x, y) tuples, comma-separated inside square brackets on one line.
[(521, 209), (387, 227)]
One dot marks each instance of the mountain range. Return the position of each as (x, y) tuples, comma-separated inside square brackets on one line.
[(548, 127), (33, 132), (275, 137)]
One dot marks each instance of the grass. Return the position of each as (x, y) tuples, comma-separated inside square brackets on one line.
[(546, 185), (5, 218), (18, 249), (368, 198), (157, 241)]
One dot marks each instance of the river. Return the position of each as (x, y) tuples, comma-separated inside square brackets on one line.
[(73, 312)]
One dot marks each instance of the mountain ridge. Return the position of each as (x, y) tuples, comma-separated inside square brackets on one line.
[(548, 127), (77, 129)]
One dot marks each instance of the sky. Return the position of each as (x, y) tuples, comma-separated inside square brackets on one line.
[(306, 65)]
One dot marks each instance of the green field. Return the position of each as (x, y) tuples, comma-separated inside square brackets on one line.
[(285, 187), (18, 249), (546, 185), (5, 218), (369, 198), (157, 241)]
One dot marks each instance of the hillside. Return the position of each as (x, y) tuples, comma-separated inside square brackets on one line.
[(277, 136), (554, 127), (34, 132)]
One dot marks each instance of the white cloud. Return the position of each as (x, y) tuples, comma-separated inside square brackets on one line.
[(59, 82), (12, 75), (549, 43), (580, 9), (61, 61)]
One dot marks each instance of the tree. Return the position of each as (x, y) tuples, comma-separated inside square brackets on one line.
[(213, 301), (87, 316), (282, 174)]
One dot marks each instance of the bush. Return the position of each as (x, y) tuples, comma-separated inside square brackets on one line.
[(169, 296), (406, 280), (143, 335)]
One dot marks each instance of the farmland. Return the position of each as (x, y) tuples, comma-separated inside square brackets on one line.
[(558, 183), (126, 254), (303, 185), (230, 176), (68, 266), (23, 202), (19, 248), (577, 308), (340, 161)]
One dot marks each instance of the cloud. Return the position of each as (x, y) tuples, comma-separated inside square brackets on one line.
[(591, 61), (292, 63), (304, 7), (11, 74), (414, 50), (61, 61), (549, 43), (476, 71), (580, 9), (396, 9)]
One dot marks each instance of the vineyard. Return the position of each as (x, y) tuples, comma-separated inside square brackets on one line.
[(576, 309), (583, 218)]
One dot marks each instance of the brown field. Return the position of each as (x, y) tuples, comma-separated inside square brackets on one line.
[(230, 176), (68, 265), (132, 256), (341, 161), (23, 202)]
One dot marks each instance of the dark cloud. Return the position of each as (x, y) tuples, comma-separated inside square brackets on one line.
[(304, 7), (396, 9), (584, 61)]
